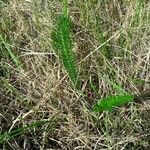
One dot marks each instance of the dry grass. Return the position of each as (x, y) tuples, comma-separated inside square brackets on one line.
[(111, 43)]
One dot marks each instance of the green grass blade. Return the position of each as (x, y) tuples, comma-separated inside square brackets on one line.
[(10, 52), (6, 84), (12, 134), (108, 103), (118, 88)]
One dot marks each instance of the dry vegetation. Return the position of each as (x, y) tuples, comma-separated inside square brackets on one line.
[(111, 40)]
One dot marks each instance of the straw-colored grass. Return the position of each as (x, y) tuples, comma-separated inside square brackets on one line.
[(110, 41)]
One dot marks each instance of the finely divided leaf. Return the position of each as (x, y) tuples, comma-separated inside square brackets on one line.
[(108, 103), (63, 44)]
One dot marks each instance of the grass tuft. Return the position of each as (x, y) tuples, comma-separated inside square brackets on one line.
[(6, 47), (12, 134), (107, 53)]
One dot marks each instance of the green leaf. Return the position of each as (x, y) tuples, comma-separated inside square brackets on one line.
[(62, 42), (108, 103), (12, 134)]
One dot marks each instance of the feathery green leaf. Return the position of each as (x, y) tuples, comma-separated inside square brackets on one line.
[(62, 42)]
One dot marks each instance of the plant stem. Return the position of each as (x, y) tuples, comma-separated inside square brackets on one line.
[(65, 8)]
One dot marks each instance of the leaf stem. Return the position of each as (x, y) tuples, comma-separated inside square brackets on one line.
[(65, 8)]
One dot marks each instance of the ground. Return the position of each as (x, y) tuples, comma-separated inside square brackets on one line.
[(39, 106)]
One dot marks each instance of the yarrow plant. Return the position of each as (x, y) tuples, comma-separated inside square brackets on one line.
[(62, 41)]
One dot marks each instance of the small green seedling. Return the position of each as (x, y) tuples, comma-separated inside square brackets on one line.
[(108, 103)]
